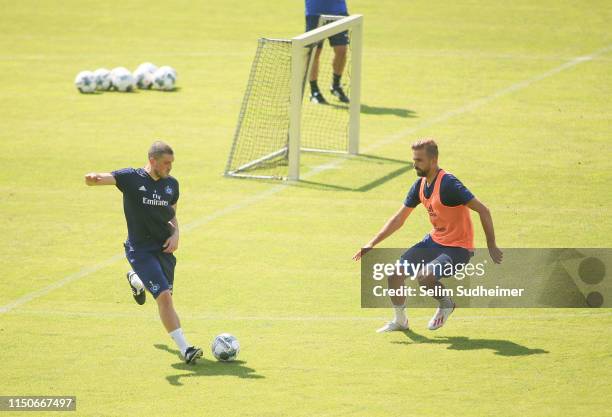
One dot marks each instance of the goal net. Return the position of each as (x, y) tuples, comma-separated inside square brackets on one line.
[(277, 121)]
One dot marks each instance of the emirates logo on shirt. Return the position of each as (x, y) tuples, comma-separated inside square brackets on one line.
[(155, 201)]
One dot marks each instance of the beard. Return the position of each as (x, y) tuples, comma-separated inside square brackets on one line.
[(160, 174), (420, 172)]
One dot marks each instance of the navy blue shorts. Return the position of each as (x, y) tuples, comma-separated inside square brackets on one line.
[(154, 268), (441, 260), (312, 22)]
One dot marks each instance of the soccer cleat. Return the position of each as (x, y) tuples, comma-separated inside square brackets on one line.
[(392, 326), (441, 316), (317, 98), (192, 354), (140, 295), (339, 93)]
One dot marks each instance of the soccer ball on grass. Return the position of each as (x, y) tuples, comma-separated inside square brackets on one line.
[(85, 82), (164, 78), (143, 76), (122, 79), (103, 79), (225, 347)]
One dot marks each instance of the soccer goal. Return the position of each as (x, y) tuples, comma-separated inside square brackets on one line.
[(277, 121)]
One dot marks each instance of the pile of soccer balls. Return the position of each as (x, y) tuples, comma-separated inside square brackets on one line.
[(145, 77)]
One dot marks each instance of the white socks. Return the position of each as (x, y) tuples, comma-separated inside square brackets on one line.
[(446, 302), (179, 338), (400, 315)]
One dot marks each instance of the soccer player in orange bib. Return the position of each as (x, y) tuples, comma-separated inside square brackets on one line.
[(451, 241)]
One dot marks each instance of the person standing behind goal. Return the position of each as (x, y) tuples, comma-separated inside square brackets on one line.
[(314, 10)]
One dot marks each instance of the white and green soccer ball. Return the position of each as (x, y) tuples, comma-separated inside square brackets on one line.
[(122, 79), (143, 79), (225, 347), (170, 69), (143, 76), (164, 78), (85, 82), (103, 79), (147, 67)]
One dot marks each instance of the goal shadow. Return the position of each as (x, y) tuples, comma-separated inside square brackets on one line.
[(395, 111), (404, 166)]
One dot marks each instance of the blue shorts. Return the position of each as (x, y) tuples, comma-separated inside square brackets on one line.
[(440, 260), (154, 267), (312, 22)]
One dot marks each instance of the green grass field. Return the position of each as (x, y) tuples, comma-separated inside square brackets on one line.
[(523, 122)]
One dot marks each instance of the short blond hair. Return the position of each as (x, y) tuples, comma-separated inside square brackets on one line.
[(158, 149), (430, 146)]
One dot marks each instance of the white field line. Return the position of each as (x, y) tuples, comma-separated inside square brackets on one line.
[(465, 54), (473, 105), (461, 54), (58, 284), (220, 317), (114, 57)]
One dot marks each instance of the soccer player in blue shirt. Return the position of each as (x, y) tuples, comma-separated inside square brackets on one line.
[(314, 10), (150, 197)]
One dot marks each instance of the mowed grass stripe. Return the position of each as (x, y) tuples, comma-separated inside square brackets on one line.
[(314, 171)]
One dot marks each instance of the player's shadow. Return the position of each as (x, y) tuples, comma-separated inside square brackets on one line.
[(497, 346), (394, 111), (404, 166), (207, 367)]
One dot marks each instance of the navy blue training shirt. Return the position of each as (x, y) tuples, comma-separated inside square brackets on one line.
[(319, 7), (147, 205), (452, 192)]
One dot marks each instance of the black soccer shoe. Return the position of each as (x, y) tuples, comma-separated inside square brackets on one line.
[(317, 98), (339, 93), (139, 297), (192, 354)]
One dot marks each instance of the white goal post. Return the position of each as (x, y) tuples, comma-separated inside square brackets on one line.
[(301, 50), (299, 54)]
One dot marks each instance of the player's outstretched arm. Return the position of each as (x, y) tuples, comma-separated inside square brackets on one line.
[(395, 222), (487, 225), (94, 178)]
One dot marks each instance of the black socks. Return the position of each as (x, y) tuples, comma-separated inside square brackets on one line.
[(314, 87), (337, 80)]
